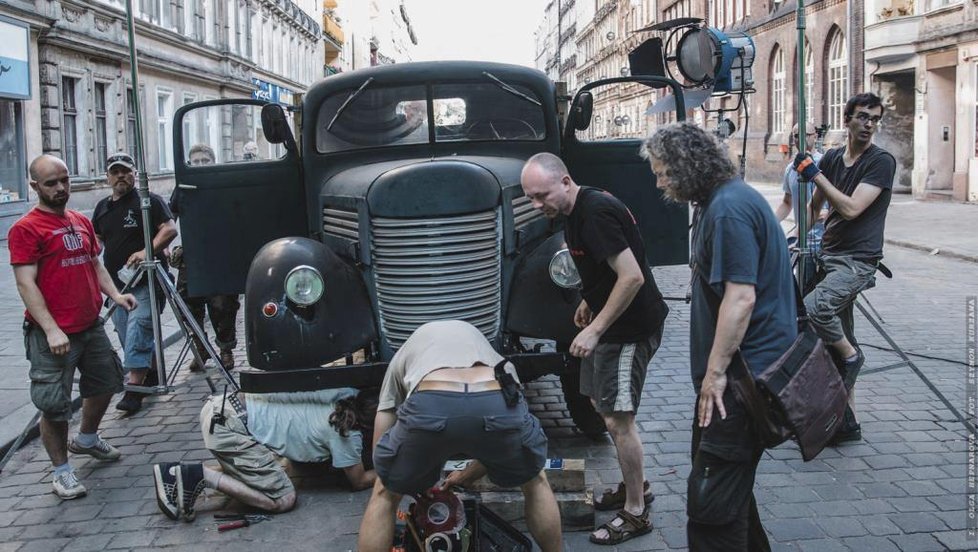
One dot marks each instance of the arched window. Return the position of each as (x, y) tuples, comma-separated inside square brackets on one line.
[(838, 87), (809, 82), (777, 90)]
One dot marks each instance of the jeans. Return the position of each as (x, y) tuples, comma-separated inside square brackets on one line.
[(135, 330)]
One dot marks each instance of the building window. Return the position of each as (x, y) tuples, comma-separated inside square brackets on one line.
[(209, 13), (101, 129), (164, 113), (838, 67), (12, 154), (69, 123), (777, 90), (191, 124), (130, 123)]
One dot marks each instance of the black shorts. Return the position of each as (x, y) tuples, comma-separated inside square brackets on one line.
[(614, 375), (434, 426)]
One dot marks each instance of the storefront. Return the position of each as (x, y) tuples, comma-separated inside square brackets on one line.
[(15, 91)]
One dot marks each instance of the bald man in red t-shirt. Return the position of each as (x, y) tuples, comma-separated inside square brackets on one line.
[(54, 254)]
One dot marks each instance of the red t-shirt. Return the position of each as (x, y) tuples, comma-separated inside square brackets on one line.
[(63, 248)]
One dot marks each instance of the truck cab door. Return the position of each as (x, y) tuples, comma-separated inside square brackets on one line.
[(248, 193), (601, 139)]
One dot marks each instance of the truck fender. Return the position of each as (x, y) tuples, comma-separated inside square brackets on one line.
[(538, 307)]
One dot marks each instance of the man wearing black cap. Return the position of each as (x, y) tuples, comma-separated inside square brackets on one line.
[(119, 225)]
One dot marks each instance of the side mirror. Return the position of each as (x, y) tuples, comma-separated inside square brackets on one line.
[(580, 113), (274, 124)]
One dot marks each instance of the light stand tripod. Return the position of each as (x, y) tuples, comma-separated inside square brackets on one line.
[(151, 268)]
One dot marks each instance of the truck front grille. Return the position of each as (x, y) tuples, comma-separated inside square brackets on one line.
[(437, 269), (341, 223), (524, 213)]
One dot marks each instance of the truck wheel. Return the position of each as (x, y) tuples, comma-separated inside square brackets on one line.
[(581, 410)]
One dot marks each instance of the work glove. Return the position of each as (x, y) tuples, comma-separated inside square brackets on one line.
[(806, 166)]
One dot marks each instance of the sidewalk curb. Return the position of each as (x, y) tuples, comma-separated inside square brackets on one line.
[(35, 431), (929, 249)]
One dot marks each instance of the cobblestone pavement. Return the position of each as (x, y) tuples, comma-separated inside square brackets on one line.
[(902, 488)]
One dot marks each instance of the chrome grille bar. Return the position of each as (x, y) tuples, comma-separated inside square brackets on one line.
[(437, 269)]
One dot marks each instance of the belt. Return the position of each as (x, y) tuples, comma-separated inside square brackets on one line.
[(458, 386)]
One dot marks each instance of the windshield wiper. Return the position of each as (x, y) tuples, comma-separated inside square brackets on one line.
[(511, 90), (353, 95)]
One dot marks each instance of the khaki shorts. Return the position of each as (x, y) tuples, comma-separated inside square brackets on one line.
[(614, 375), (240, 455), (52, 375)]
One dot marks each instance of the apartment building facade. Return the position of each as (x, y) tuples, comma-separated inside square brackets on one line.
[(81, 103)]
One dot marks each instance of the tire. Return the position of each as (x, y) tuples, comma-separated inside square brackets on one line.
[(589, 422)]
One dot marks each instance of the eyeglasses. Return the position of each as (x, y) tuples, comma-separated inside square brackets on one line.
[(864, 117)]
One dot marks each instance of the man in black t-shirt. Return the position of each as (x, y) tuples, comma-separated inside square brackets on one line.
[(119, 225), (742, 318), (856, 180), (620, 317)]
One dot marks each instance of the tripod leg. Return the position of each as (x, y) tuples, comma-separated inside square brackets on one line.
[(192, 330)]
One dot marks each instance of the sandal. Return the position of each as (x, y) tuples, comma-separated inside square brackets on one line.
[(615, 500), (628, 527)]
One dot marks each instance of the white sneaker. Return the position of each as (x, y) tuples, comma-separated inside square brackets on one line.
[(101, 449), (67, 486)]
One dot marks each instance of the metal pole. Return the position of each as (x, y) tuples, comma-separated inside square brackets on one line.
[(149, 266), (801, 199)]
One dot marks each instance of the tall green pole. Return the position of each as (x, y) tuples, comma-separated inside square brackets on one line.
[(801, 198)]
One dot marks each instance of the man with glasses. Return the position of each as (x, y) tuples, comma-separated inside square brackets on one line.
[(222, 309), (54, 254), (789, 184), (119, 224), (856, 180)]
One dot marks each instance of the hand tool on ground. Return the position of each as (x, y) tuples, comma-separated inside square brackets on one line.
[(237, 521)]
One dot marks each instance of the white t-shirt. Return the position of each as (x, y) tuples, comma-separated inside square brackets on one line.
[(440, 344), (296, 426)]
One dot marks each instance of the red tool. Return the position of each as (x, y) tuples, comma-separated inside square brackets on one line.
[(237, 521)]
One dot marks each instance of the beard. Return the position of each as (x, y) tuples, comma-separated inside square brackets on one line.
[(58, 201)]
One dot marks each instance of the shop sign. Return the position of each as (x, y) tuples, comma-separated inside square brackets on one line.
[(271, 92), (15, 77)]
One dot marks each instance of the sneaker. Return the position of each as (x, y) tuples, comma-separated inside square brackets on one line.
[(227, 359), (67, 486), (850, 369), (191, 484), (849, 431), (167, 478), (131, 402), (101, 450)]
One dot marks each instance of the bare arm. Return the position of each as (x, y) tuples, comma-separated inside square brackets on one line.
[(360, 478), (383, 421), (848, 207), (165, 233), (630, 280), (732, 321), (26, 278), (784, 208), (105, 283)]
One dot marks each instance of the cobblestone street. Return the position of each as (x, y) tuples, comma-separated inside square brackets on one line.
[(902, 488)]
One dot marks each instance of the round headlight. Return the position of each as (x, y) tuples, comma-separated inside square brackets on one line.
[(563, 271), (304, 285)]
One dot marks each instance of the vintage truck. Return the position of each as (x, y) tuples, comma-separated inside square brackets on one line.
[(397, 201)]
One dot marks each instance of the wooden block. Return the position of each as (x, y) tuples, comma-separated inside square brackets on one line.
[(576, 508), (564, 475)]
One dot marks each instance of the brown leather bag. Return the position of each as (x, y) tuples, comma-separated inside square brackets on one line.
[(800, 396)]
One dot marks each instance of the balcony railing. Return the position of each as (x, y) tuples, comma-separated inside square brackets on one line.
[(331, 28), (892, 39)]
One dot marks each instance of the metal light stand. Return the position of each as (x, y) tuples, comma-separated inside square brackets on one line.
[(805, 254), (151, 268)]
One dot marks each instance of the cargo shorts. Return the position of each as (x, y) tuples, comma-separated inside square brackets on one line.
[(52, 375), (240, 455), (435, 426)]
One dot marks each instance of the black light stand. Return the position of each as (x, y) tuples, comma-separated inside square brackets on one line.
[(152, 269), (805, 253)]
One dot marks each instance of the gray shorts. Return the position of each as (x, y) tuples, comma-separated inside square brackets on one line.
[(240, 455), (434, 426), (52, 375), (614, 375)]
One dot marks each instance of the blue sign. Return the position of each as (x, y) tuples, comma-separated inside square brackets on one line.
[(15, 76), (271, 92)]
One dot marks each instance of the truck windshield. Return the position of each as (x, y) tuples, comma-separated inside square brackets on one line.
[(398, 115)]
